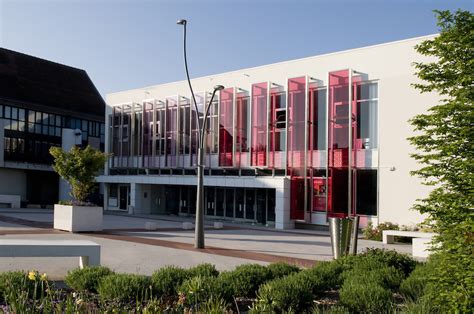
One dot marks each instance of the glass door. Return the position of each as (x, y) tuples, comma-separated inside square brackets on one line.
[(229, 203), (239, 203), (124, 197), (250, 204), (210, 201)]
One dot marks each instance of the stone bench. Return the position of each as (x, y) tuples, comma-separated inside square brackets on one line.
[(388, 236), (13, 200), (88, 251)]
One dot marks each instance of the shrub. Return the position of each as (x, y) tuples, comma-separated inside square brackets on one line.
[(387, 277), (12, 281), (166, 280), (205, 270), (86, 279), (365, 296), (79, 167), (198, 290), (414, 287), (124, 287), (375, 233), (278, 270), (324, 276), (245, 279), (287, 294), (390, 258)]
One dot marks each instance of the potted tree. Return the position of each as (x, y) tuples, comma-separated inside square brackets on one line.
[(78, 167)]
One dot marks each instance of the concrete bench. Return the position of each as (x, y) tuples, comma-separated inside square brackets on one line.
[(421, 247), (388, 236), (88, 251), (14, 201)]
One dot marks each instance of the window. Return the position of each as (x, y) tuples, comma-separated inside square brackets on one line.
[(366, 116), (366, 192)]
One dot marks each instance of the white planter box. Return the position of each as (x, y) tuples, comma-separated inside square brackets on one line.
[(78, 218)]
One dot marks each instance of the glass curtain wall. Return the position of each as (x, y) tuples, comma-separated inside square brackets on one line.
[(171, 131)]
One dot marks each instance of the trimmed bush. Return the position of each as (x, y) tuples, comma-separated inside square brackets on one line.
[(12, 281), (387, 277), (166, 280), (324, 276), (204, 270), (86, 279), (365, 296), (414, 287), (245, 279), (198, 290), (124, 287), (390, 258), (278, 270), (287, 294)]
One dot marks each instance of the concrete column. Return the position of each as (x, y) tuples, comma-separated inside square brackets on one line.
[(2, 142), (282, 207), (135, 192), (106, 195), (69, 138)]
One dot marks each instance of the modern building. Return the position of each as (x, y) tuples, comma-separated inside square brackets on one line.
[(291, 142), (42, 104)]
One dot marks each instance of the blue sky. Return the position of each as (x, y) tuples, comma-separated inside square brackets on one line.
[(136, 43)]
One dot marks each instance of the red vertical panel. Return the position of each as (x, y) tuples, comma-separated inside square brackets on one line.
[(195, 116), (226, 131), (259, 124), (338, 144), (296, 143), (171, 132), (241, 129)]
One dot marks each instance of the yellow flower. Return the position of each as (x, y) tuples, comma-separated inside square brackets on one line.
[(44, 277), (32, 275)]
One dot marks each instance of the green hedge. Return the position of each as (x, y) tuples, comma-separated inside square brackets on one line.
[(281, 269), (125, 287), (291, 293), (165, 281), (245, 279), (86, 279)]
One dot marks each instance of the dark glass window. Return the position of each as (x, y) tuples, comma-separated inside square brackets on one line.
[(366, 192)]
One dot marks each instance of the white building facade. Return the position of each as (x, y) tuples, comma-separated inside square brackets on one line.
[(291, 142)]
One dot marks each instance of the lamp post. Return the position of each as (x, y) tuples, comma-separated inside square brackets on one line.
[(199, 225)]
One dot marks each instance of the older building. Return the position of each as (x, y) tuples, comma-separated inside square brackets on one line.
[(42, 104), (291, 142)]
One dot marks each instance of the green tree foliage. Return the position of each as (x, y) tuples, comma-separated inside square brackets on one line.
[(78, 167), (444, 143)]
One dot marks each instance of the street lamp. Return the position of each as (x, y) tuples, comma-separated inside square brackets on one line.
[(199, 229)]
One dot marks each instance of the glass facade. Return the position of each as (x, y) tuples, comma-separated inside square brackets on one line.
[(320, 134), (30, 133)]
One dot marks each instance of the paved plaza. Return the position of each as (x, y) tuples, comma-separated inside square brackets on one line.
[(126, 246)]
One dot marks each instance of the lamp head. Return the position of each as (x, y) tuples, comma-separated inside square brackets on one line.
[(218, 87), (181, 22)]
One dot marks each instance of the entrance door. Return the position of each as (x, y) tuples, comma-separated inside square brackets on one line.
[(262, 206), (210, 201), (124, 192), (250, 204), (220, 202), (229, 203)]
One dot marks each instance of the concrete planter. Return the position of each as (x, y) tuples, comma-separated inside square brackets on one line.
[(77, 218)]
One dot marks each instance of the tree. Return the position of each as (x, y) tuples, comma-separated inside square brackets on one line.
[(444, 143), (78, 167)]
